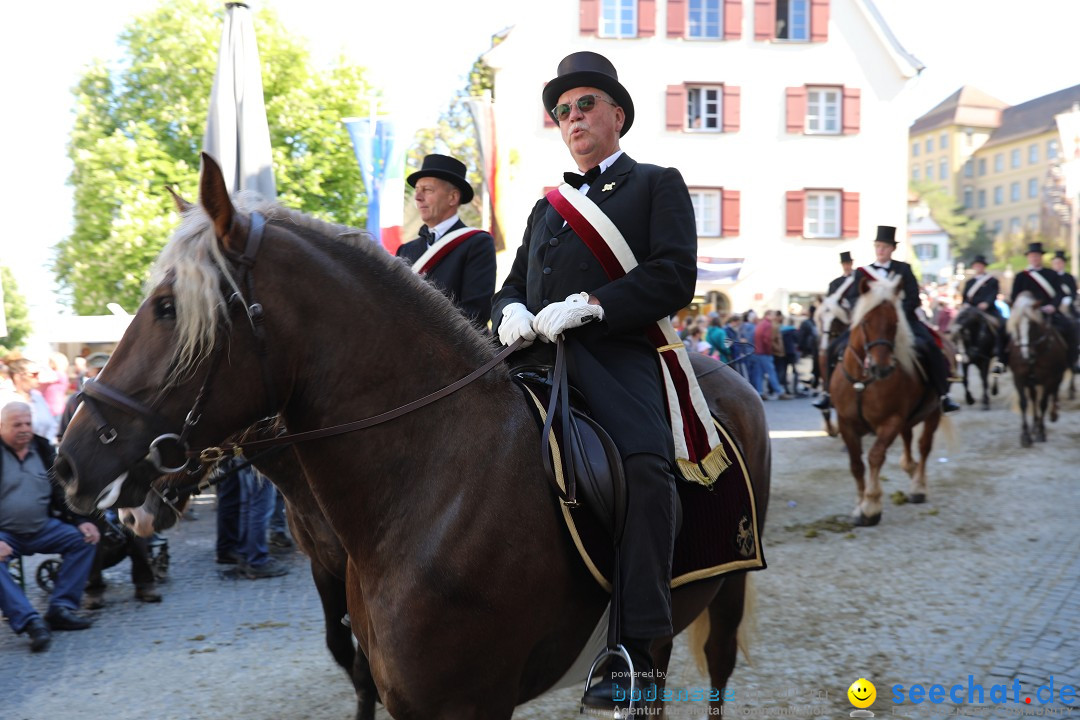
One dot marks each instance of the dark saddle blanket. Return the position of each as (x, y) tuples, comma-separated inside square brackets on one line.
[(716, 526)]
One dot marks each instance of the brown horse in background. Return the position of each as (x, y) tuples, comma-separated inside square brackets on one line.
[(832, 321), (464, 589), (1037, 361), (878, 389)]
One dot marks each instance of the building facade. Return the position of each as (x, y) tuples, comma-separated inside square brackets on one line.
[(778, 113), (1000, 162)]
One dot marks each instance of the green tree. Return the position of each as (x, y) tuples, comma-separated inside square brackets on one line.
[(966, 237), (15, 313), (139, 127)]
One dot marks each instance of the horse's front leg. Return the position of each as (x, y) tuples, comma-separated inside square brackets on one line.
[(926, 443), (1039, 412), (984, 371), (968, 397), (907, 462), (1025, 432), (853, 442), (871, 506)]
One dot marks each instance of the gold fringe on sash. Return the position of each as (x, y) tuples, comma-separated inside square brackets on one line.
[(708, 470)]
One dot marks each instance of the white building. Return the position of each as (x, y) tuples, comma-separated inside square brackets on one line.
[(779, 113), (930, 244)]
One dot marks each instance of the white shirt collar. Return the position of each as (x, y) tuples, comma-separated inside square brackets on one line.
[(442, 228), (604, 165)]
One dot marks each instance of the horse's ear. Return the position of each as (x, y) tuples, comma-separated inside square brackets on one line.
[(214, 196), (182, 205)]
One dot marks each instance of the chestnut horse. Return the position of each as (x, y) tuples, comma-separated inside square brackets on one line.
[(464, 589), (878, 389), (1037, 361)]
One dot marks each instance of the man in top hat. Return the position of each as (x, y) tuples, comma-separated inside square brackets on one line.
[(937, 365), (558, 286), (980, 291), (845, 267), (1066, 281), (458, 259), (1045, 286)]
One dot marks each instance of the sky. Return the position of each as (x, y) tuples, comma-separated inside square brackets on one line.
[(419, 52)]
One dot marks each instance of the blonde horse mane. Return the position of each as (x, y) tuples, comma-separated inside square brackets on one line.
[(887, 290), (193, 263), (1025, 306)]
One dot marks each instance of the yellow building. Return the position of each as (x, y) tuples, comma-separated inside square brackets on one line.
[(1000, 162)]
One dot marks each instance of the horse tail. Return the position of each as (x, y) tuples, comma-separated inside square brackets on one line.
[(699, 633), (748, 627)]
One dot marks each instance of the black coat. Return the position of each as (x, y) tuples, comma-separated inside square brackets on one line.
[(58, 507), (613, 363), (835, 284), (466, 275), (1067, 283), (987, 293), (1023, 282)]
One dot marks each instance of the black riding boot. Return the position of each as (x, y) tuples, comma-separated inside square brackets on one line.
[(823, 403), (614, 690), (939, 378)]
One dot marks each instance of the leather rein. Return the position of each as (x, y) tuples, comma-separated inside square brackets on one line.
[(97, 392)]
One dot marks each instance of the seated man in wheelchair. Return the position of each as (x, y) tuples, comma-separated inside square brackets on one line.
[(35, 519)]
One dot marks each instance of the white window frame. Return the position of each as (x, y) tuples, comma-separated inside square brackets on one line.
[(930, 170), (929, 145), (798, 11), (1014, 191), (943, 142), (1033, 222), (915, 173), (1033, 188), (926, 251), (1033, 153), (820, 100), (969, 168), (999, 162), (915, 149), (694, 95), (980, 198), (1015, 226), (708, 211), (699, 29), (612, 17), (823, 218), (943, 169), (999, 194), (1014, 158), (1052, 150), (969, 197)]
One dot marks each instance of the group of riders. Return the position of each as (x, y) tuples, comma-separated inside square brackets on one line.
[(1053, 289)]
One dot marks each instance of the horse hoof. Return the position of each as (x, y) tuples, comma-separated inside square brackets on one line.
[(1026, 442), (862, 520), (986, 406), (969, 400), (916, 498)]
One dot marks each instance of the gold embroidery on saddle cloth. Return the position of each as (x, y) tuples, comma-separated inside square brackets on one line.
[(746, 539)]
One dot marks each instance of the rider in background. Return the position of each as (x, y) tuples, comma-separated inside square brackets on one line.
[(1045, 286), (981, 291)]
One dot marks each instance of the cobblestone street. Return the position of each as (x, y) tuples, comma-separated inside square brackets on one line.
[(982, 581)]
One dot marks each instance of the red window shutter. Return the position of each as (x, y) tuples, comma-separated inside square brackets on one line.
[(764, 19), (796, 212), (729, 213), (676, 18), (796, 109), (676, 107), (731, 108), (849, 212), (548, 120), (852, 112), (646, 18), (589, 12), (732, 19), (819, 20)]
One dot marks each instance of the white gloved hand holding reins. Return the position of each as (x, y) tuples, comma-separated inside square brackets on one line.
[(517, 322), (571, 313)]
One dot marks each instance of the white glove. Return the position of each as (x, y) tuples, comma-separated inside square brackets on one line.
[(517, 323), (571, 313)]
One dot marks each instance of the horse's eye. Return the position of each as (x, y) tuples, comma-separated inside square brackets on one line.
[(164, 308)]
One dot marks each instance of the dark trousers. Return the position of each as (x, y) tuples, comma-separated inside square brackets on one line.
[(1067, 327), (937, 365), (647, 546), (228, 515), (111, 552), (55, 537)]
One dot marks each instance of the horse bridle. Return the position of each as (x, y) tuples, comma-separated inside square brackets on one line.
[(860, 383), (98, 392)]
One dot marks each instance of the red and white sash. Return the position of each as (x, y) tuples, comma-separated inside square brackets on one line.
[(1043, 283), (441, 248), (698, 451), (976, 285)]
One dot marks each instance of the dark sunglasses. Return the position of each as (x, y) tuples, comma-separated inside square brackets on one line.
[(585, 103)]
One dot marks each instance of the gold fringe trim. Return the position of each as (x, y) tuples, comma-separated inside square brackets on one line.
[(665, 348), (708, 470)]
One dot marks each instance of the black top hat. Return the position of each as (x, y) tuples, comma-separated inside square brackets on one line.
[(1060, 254), (1035, 247), (886, 234), (589, 69), (445, 168), (979, 259), (845, 256)]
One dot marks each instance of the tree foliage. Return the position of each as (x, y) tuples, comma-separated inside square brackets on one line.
[(15, 313), (967, 237), (139, 127)]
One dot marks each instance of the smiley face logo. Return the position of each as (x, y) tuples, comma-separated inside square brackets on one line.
[(862, 693)]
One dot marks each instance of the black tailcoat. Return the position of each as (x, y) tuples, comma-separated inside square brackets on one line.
[(835, 284), (466, 275), (612, 362), (987, 293), (1023, 282)]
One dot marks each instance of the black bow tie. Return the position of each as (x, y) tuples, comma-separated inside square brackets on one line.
[(426, 234), (577, 181)]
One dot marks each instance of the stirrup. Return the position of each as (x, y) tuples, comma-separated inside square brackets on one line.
[(619, 651)]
